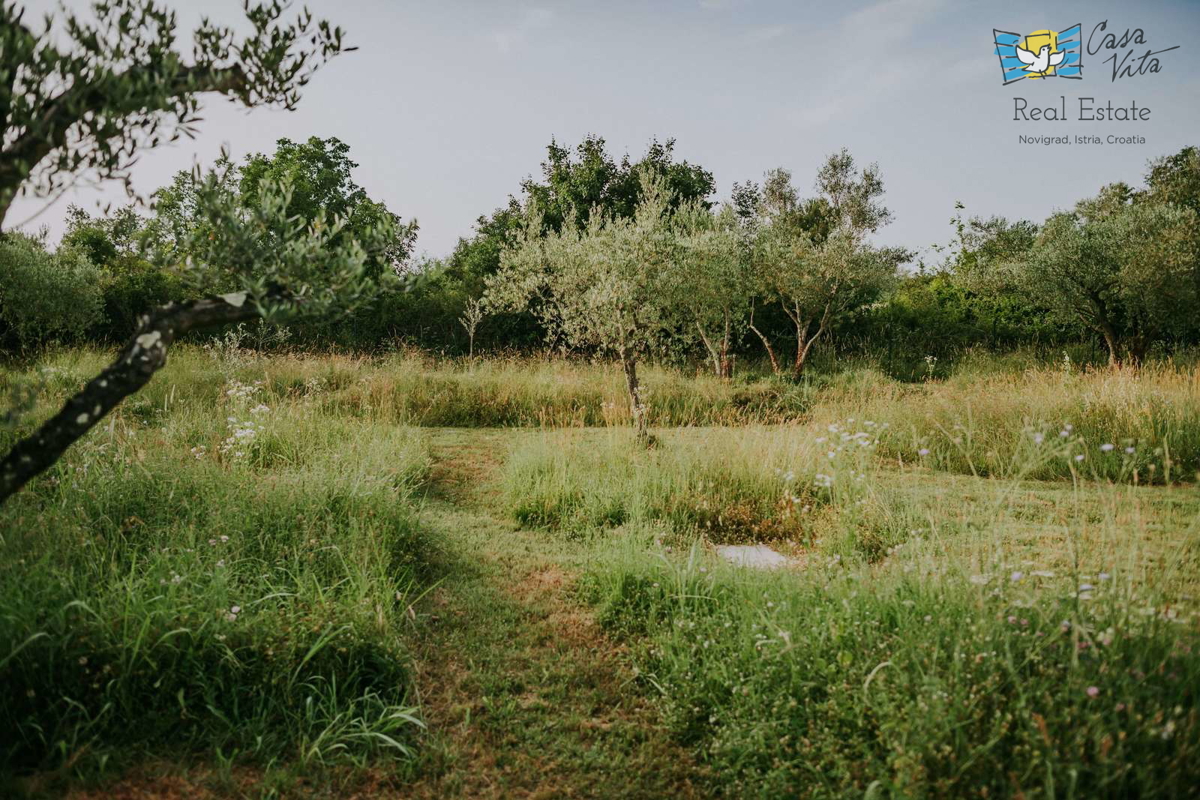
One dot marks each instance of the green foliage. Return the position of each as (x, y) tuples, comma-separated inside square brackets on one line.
[(600, 286), (573, 188), (605, 286), (318, 174), (1175, 179), (252, 248), (43, 295), (118, 84), (104, 240), (811, 258), (130, 284), (844, 681), (133, 288), (1128, 271), (711, 285), (179, 588)]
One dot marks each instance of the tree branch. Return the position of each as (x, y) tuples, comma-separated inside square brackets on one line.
[(18, 160), (142, 356)]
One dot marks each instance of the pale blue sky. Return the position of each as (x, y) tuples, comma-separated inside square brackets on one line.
[(448, 105)]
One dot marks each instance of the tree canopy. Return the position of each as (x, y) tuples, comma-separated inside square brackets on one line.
[(574, 182), (604, 284), (82, 96), (1126, 270), (318, 173), (811, 257)]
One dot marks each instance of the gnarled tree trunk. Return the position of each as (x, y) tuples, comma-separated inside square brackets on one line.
[(636, 407), (142, 356), (804, 342), (766, 343), (718, 351)]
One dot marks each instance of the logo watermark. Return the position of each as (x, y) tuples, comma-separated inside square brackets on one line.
[(1041, 54)]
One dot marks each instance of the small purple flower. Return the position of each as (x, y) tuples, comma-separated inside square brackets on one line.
[(1093, 691), (924, 451)]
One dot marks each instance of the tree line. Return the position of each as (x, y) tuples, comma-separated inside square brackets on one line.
[(768, 273)]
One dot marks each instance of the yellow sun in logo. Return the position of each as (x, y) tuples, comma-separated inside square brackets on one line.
[(1034, 42)]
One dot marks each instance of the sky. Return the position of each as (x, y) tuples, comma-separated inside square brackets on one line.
[(448, 105)]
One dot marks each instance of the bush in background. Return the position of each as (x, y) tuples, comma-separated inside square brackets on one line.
[(46, 296)]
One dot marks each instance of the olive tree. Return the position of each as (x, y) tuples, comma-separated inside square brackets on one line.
[(473, 314), (710, 285), (816, 284), (1128, 271), (249, 260), (83, 96), (812, 257), (602, 285)]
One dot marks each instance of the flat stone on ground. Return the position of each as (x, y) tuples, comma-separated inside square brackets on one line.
[(752, 555)]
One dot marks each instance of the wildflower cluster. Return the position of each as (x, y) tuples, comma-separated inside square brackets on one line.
[(244, 426), (845, 453), (1119, 459), (242, 434), (235, 390)]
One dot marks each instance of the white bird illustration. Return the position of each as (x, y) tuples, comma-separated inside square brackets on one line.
[(1042, 61)]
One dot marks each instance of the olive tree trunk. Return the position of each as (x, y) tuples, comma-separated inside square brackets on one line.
[(718, 349), (636, 407), (766, 343), (142, 356), (804, 341)]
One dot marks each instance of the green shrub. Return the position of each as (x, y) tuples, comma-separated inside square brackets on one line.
[(752, 484), (44, 295), (133, 288)]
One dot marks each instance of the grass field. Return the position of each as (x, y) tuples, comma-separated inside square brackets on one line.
[(330, 576)]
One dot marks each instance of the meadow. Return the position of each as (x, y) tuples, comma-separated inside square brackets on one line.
[(410, 576)]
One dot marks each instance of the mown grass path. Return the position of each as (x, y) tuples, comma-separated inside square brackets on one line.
[(523, 693)]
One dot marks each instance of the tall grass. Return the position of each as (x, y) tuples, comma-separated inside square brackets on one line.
[(1125, 425), (415, 389), (919, 677), (220, 570), (225, 566), (985, 417), (938, 634), (745, 484)]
